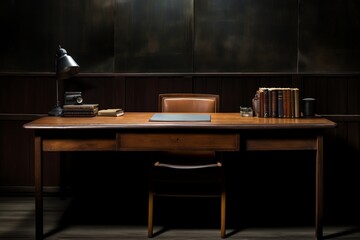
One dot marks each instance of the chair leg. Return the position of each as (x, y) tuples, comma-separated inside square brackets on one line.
[(151, 214), (223, 197), (223, 214)]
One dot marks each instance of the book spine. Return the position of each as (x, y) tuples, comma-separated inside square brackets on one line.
[(80, 107), (274, 103), (292, 103), (286, 103), (296, 103), (280, 103), (270, 101), (261, 113), (266, 103)]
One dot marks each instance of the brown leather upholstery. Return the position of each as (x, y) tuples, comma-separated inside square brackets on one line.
[(185, 102), (202, 169)]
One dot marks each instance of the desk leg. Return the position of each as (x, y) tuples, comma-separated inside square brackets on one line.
[(319, 188), (38, 189)]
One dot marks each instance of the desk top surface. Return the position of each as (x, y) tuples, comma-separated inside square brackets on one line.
[(140, 120)]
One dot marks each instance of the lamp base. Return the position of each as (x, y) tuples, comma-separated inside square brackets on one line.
[(56, 111)]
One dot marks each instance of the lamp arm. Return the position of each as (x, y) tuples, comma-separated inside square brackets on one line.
[(57, 110), (57, 92)]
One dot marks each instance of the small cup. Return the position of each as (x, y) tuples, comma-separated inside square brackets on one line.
[(246, 112), (308, 105)]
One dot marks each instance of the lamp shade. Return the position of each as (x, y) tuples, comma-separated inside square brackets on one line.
[(66, 66)]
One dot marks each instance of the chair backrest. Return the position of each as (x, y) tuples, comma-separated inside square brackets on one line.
[(189, 102)]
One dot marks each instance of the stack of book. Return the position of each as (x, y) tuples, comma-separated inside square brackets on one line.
[(112, 112), (277, 102), (81, 110)]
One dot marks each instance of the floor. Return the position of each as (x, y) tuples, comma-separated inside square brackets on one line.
[(62, 222)]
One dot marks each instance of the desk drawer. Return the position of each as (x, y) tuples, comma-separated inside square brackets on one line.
[(280, 144), (177, 141), (79, 145)]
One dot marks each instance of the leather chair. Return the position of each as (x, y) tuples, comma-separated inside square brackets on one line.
[(174, 174)]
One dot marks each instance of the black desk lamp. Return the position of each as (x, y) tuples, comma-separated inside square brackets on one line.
[(65, 67)]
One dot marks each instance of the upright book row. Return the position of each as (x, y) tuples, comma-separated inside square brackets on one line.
[(277, 102)]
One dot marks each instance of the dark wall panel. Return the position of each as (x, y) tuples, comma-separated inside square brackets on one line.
[(33, 30), (297, 36), (16, 168), (329, 39), (108, 92), (329, 94), (22, 39), (153, 36), (245, 36), (142, 93), (22, 95), (353, 96)]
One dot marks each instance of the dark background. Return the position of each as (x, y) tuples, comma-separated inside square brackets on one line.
[(300, 36), (129, 51)]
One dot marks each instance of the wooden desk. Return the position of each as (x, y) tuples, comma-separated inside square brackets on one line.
[(134, 132)]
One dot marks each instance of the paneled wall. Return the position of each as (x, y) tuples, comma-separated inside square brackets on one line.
[(187, 36)]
